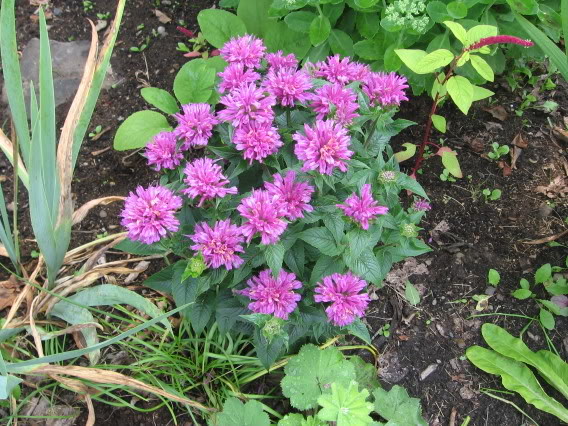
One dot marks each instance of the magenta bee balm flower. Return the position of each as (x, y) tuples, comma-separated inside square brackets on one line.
[(220, 244), (422, 206), (149, 213), (205, 179), (247, 104), (273, 295), (257, 141), (162, 152), (246, 50), (235, 75), (195, 125), (295, 196), (263, 213), (279, 60), (364, 208), (288, 85), (324, 147), (342, 290), (342, 71), (339, 102), (385, 89)]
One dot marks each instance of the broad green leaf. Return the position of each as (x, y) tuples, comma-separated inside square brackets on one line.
[(359, 240), (219, 26), (366, 265), (478, 32), (368, 24), (194, 82), (543, 274), (368, 49), (493, 277), (346, 405), (340, 43), (358, 329), (398, 407), (480, 93), (482, 67), (411, 185), (161, 99), (461, 92), (311, 373), (411, 294), (524, 7), (516, 377), (325, 266), (522, 294), (7, 385), (254, 14), (450, 162), (410, 58), (564, 18), (139, 129), (300, 21), (365, 374), (434, 60), (139, 248), (547, 319), (365, 4), (409, 151), (320, 28), (524, 283), (438, 11), (274, 255), (321, 239), (458, 31), (235, 413), (335, 224), (280, 37), (457, 9), (439, 123)]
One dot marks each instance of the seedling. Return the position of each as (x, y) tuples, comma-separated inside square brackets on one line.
[(98, 130), (491, 195), (142, 47), (87, 5), (493, 277), (385, 330), (497, 151), (34, 254), (446, 176), (197, 47), (103, 16)]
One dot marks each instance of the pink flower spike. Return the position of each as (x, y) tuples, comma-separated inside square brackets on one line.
[(385, 89), (487, 41), (362, 209), (149, 213), (235, 75), (342, 71), (205, 179), (220, 244), (246, 50), (257, 141), (195, 125), (279, 60), (295, 196), (342, 290), (162, 152), (337, 101), (421, 206), (288, 86), (323, 147), (263, 214), (247, 104), (273, 295)]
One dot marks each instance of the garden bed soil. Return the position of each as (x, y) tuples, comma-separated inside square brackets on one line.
[(468, 235)]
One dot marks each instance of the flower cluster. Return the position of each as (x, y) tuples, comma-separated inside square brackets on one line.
[(408, 14), (342, 290), (364, 208)]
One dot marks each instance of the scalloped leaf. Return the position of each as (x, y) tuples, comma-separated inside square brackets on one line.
[(346, 405), (235, 413)]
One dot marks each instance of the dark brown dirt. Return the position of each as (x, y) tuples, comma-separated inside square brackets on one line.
[(477, 235)]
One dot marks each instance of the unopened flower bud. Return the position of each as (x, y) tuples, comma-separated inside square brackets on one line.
[(409, 230)]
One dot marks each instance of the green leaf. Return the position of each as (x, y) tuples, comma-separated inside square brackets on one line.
[(311, 373), (346, 405), (524, 283), (194, 82), (480, 93), (409, 151), (438, 11), (161, 99), (411, 185), (457, 9), (411, 294), (295, 259), (368, 24), (450, 162), (543, 274), (524, 7), (280, 37), (367, 266), (397, 407), (274, 255), (219, 26), (320, 28), (162, 280), (458, 31), (482, 67), (7, 385), (411, 58), (235, 413), (493, 277), (365, 4), (254, 13), (564, 18), (360, 240), (478, 32), (300, 21), (139, 129), (461, 92), (522, 294), (439, 123), (358, 329), (139, 248), (340, 43), (325, 266), (368, 49), (434, 60), (335, 224), (321, 239), (365, 374), (547, 319), (516, 377)]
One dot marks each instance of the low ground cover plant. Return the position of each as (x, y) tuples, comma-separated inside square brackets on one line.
[(290, 207)]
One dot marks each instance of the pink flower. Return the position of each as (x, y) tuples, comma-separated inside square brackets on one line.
[(324, 147), (487, 41), (150, 213), (205, 179), (162, 152), (295, 196), (385, 89), (279, 60), (247, 104), (288, 85), (343, 291), (273, 295), (337, 101), (362, 209), (342, 71), (219, 244), (258, 141), (235, 75), (263, 213), (246, 50), (422, 206), (195, 125)]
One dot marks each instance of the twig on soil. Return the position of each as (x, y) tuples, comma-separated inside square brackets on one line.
[(546, 239)]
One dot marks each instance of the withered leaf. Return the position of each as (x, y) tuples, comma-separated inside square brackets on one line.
[(520, 141), (497, 111)]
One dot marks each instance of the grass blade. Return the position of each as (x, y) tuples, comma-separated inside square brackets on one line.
[(5, 231), (8, 149), (564, 18)]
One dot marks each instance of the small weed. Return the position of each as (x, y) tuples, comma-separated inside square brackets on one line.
[(493, 277), (446, 176), (96, 132), (491, 195), (385, 330), (498, 151), (87, 5), (103, 16)]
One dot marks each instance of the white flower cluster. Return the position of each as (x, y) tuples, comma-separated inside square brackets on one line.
[(408, 14)]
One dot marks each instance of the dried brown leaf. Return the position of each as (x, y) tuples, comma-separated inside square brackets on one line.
[(497, 111), (515, 153), (560, 134), (9, 291), (520, 141), (82, 211), (547, 239), (477, 145), (558, 187), (162, 17)]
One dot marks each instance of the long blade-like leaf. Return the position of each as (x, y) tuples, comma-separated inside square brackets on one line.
[(13, 76), (5, 230), (8, 149), (564, 18)]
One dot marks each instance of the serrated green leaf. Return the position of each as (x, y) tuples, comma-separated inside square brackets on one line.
[(409, 151), (325, 266), (139, 129), (322, 239), (366, 375), (411, 58), (461, 92), (368, 49), (235, 413), (274, 255), (458, 31), (358, 329), (346, 405), (439, 123), (367, 266), (398, 407), (311, 373), (340, 43), (543, 274), (482, 67)]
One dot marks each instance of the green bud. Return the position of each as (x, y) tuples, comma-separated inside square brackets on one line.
[(195, 266), (387, 176), (272, 328), (409, 230)]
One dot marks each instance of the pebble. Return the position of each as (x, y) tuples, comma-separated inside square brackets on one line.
[(434, 302), (162, 30), (427, 371), (466, 392), (103, 214), (57, 11), (490, 291), (101, 25)]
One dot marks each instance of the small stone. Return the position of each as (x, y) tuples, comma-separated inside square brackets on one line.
[(427, 371), (434, 302), (10, 206), (460, 342), (490, 291), (466, 392), (57, 11), (533, 337), (103, 214), (101, 25), (162, 30)]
